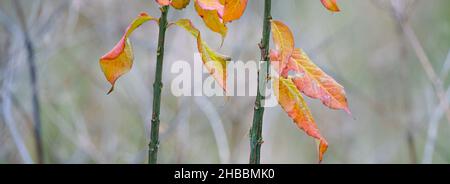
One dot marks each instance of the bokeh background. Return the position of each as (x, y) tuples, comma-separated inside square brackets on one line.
[(392, 56)]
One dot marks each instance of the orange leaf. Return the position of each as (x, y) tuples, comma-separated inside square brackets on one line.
[(211, 5), (180, 4), (234, 9), (284, 41), (331, 5), (310, 79), (216, 13), (119, 60), (163, 2), (276, 64), (214, 62), (315, 83), (211, 19), (293, 103)]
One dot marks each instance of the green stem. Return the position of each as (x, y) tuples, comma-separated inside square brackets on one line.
[(157, 87), (256, 139)]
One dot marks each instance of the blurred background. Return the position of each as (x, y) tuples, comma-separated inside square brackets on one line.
[(392, 56)]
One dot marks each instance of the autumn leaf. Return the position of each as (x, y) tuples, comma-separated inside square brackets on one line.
[(233, 9), (300, 75), (211, 5), (217, 13), (331, 5), (214, 62), (177, 4), (163, 2), (295, 106), (119, 60), (212, 19), (308, 78), (275, 63), (284, 41), (315, 83), (312, 81), (180, 4)]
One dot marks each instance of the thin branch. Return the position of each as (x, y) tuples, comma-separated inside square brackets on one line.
[(5, 92), (9, 120), (157, 87), (217, 126), (401, 13), (446, 69), (426, 64), (433, 127), (256, 139), (33, 82)]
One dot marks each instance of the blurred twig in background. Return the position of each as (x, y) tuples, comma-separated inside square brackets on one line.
[(28, 27), (33, 83), (433, 127), (400, 11), (446, 69), (7, 80), (216, 124)]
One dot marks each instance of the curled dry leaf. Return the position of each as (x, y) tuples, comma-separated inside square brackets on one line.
[(119, 60), (214, 62), (295, 106), (331, 5)]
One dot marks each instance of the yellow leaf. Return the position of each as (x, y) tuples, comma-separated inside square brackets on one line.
[(211, 5), (234, 9), (119, 60), (293, 103), (180, 4), (331, 5), (212, 20), (214, 62), (284, 41)]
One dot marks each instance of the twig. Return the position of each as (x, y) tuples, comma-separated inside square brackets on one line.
[(182, 114), (9, 120), (433, 131), (157, 87), (411, 145), (33, 82), (5, 93), (446, 69), (216, 124), (401, 14), (256, 139)]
